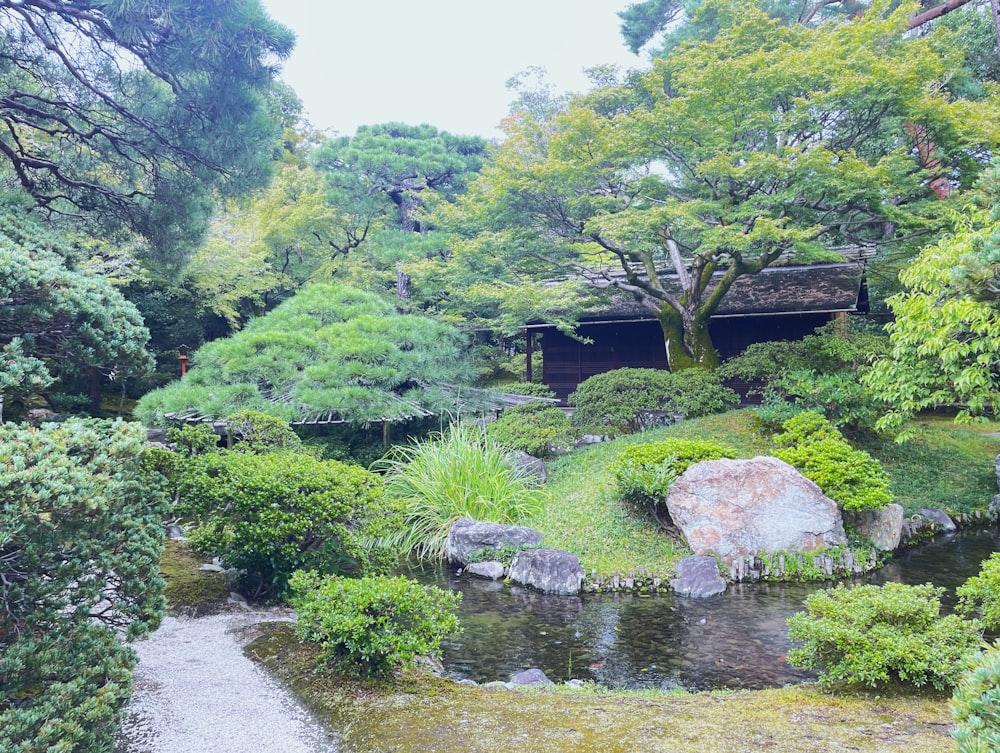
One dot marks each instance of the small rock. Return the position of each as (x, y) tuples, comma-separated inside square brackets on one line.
[(549, 570), (574, 683), (491, 570), (212, 568), (939, 518), (533, 676), (698, 577)]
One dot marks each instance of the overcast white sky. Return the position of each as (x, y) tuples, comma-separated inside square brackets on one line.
[(442, 62)]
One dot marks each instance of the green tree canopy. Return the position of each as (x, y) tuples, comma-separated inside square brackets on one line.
[(57, 318), (765, 143), (945, 339), (134, 111), (330, 352)]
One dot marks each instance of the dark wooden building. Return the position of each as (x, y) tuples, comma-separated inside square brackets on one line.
[(780, 303)]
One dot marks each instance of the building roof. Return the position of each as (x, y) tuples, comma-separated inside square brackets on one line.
[(816, 288)]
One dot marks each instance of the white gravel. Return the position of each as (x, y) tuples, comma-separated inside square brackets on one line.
[(195, 692)]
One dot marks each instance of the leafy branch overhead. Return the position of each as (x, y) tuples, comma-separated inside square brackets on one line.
[(135, 110)]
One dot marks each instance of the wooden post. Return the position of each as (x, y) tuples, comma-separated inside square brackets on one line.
[(528, 353)]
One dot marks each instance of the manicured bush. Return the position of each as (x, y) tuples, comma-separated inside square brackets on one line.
[(700, 392), (270, 515), (878, 635), (975, 706), (619, 401), (531, 389), (644, 472), (979, 596), (258, 433), (460, 473), (81, 530), (614, 402), (535, 428), (851, 477), (370, 626)]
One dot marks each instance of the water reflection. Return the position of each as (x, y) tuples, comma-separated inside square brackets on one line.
[(737, 640)]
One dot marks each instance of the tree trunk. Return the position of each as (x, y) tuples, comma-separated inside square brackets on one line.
[(673, 337), (699, 344)]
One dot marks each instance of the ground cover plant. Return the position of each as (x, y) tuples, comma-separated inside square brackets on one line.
[(457, 473)]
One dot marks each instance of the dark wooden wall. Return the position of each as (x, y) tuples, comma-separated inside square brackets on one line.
[(567, 362)]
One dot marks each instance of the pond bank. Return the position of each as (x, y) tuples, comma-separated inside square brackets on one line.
[(418, 713)]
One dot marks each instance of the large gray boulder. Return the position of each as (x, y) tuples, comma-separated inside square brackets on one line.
[(550, 570), (731, 508), (467, 536), (698, 577), (883, 527)]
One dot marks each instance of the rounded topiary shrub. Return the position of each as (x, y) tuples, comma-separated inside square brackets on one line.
[(536, 428), (644, 472), (818, 450), (879, 635), (270, 515), (614, 402), (975, 706), (370, 626), (700, 392)]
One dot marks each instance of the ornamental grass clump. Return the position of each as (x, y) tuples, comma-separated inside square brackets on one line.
[(459, 473)]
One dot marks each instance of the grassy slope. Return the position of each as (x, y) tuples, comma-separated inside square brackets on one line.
[(420, 714), (944, 466)]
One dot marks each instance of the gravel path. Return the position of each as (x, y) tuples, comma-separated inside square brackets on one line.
[(195, 692)]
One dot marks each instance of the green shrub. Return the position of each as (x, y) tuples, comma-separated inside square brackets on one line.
[(460, 473), (699, 392), (613, 402), (81, 529), (258, 433), (619, 401), (851, 477), (373, 625), (979, 596), (194, 439), (644, 472), (877, 635), (839, 396), (975, 706), (535, 428), (531, 389), (270, 515)]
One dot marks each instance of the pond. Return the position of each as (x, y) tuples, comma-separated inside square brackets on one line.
[(737, 640)]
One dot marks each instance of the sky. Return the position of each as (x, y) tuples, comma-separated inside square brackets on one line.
[(441, 62)]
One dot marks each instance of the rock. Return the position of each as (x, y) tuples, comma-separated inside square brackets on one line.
[(924, 524), (212, 568), (39, 416), (532, 465), (492, 570), (531, 676), (941, 520), (883, 527), (549, 570), (698, 577), (731, 508), (574, 683), (175, 532), (467, 536), (156, 434)]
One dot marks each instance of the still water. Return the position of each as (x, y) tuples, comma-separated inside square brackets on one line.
[(737, 640)]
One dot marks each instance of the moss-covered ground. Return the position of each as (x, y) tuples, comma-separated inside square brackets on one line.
[(419, 713), (189, 590)]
